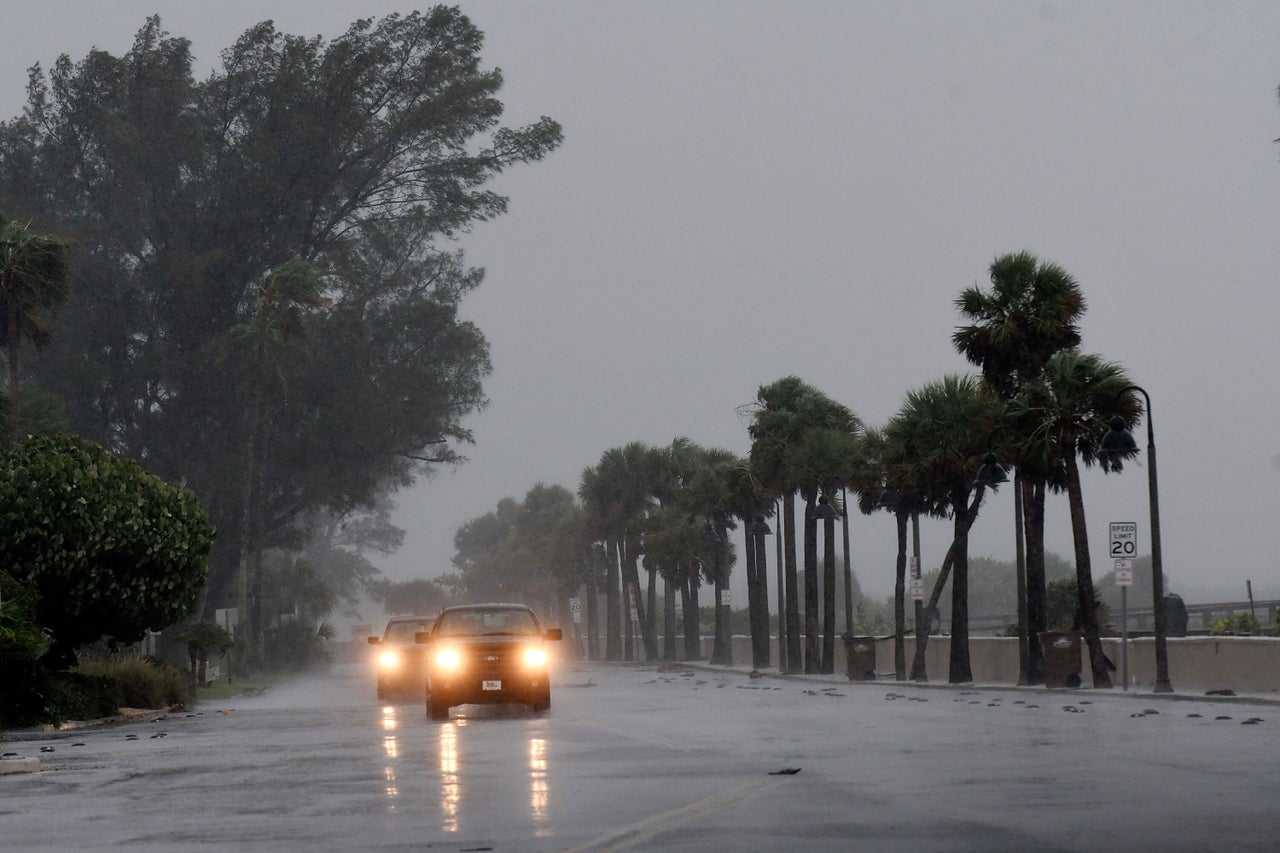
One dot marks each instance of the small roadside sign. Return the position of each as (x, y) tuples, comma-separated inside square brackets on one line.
[(575, 608), (917, 589), (1124, 572), (1124, 540), (915, 567)]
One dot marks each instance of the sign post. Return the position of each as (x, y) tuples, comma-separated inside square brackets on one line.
[(1124, 580)]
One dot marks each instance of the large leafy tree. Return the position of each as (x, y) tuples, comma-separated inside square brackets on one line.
[(1031, 311), (110, 549), (359, 156), (34, 279)]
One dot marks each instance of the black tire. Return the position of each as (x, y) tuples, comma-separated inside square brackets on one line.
[(542, 702), (438, 711)]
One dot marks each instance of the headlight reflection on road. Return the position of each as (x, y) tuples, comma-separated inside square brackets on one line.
[(538, 786), (450, 787), (391, 745)]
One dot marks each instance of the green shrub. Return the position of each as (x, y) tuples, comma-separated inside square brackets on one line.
[(81, 696), (1237, 623), (145, 683), (24, 681)]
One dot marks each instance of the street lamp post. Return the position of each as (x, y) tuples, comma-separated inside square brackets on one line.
[(1117, 443)]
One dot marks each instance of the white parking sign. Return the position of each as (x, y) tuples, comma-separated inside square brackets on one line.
[(1124, 540)]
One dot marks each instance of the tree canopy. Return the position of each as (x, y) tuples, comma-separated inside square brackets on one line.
[(109, 549), (185, 200)]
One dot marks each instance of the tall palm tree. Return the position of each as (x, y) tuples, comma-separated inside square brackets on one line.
[(1031, 311), (595, 490), (709, 495), (881, 479), (822, 455), (944, 427), (34, 279), (785, 411), (1072, 407)]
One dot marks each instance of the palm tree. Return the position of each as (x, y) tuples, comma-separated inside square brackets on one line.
[(602, 508), (1031, 311), (1071, 408), (785, 411), (822, 456), (943, 428), (34, 278), (880, 478)]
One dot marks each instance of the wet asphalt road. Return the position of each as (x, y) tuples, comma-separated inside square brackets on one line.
[(636, 758)]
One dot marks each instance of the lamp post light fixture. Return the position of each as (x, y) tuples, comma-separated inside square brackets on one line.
[(990, 474), (1117, 442)]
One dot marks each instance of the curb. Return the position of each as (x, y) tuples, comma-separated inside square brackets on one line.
[(69, 727)]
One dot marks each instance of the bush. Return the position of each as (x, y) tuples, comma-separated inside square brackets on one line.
[(80, 696), (22, 643), (1238, 623), (147, 683)]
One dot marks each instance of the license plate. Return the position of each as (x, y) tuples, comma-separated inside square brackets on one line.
[(491, 685)]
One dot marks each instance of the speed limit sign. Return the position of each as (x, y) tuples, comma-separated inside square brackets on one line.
[(1124, 540)]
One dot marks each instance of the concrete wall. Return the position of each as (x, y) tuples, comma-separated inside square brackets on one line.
[(1196, 664)]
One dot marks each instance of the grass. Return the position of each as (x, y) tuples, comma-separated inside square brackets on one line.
[(255, 683)]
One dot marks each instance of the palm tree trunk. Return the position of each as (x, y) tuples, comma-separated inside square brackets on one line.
[(593, 618), (900, 601), (724, 624), (811, 662), (959, 670), (794, 659), (760, 627), (1033, 499), (829, 596), (759, 632), (1084, 578), (921, 627), (632, 571), (651, 611), (692, 622), (1020, 580), (668, 618), (922, 631), (613, 606)]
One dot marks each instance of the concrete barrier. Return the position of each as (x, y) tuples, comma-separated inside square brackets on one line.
[(1196, 664)]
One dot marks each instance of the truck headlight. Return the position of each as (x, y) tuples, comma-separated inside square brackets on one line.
[(448, 659), (389, 659), (535, 658)]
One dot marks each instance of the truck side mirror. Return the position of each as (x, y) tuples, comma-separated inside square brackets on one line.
[(554, 634), (373, 641)]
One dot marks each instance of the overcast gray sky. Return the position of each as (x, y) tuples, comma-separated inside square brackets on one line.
[(754, 189)]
